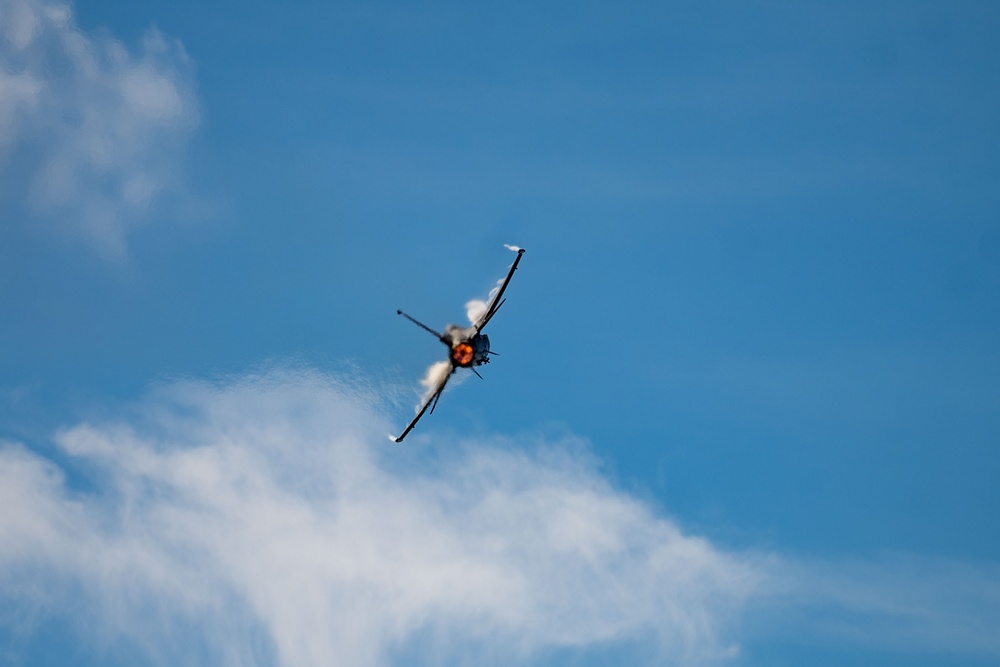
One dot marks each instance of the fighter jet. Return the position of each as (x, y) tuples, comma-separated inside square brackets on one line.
[(468, 347)]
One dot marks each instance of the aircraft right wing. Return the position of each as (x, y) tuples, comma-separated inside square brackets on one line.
[(496, 301), (429, 402)]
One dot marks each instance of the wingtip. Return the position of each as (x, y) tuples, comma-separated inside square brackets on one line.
[(394, 438)]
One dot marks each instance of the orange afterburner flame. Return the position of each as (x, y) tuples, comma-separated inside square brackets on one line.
[(462, 354)]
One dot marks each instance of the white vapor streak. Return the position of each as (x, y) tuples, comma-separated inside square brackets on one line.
[(512, 248), (435, 375), (476, 308), (91, 136)]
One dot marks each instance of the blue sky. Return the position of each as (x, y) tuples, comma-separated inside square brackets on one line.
[(746, 408)]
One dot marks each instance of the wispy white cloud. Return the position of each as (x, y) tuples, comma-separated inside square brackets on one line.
[(911, 604), (91, 135), (265, 521), (274, 500)]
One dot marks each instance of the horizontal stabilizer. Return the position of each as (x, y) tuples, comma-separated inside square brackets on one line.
[(420, 324)]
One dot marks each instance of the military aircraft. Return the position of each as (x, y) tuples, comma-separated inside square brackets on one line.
[(468, 347)]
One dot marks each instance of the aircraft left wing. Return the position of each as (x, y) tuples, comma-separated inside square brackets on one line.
[(429, 402), (497, 299)]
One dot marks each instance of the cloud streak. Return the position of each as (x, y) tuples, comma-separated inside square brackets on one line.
[(265, 501), (92, 136), (263, 521), (892, 602)]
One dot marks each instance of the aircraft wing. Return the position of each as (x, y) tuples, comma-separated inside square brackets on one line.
[(497, 299), (429, 402)]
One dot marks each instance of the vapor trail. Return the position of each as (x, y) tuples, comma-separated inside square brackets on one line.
[(433, 378)]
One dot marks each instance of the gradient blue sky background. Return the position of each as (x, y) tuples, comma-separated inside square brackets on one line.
[(761, 293)]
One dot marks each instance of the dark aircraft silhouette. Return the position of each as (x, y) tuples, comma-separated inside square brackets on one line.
[(468, 347)]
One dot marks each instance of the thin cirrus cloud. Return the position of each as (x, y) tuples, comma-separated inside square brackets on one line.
[(92, 137), (264, 521)]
